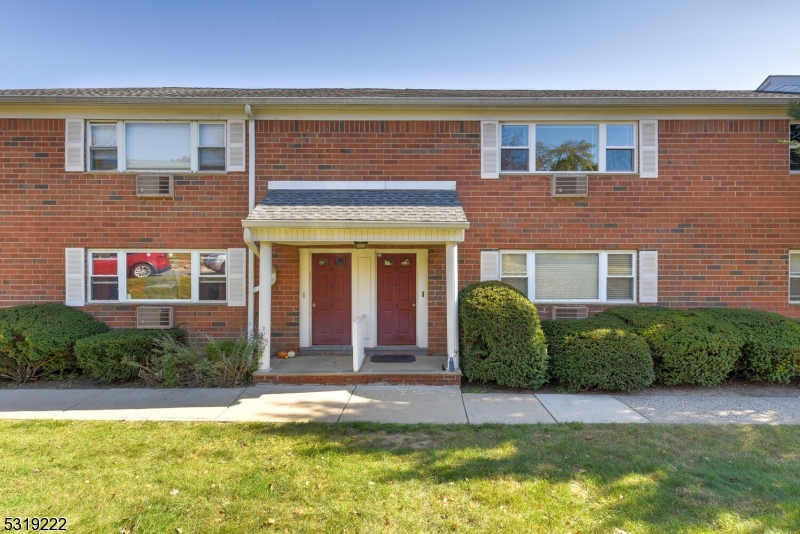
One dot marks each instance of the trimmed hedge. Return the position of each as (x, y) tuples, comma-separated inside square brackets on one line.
[(501, 338), (688, 347), (107, 357), (600, 352), (771, 349), (38, 339)]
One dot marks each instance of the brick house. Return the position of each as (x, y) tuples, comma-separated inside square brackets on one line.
[(350, 218)]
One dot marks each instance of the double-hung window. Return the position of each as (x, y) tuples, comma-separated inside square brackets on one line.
[(794, 276), (794, 153), (568, 147), (547, 276), (141, 276), (174, 146)]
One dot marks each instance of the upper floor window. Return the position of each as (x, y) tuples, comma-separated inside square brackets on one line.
[(598, 147), (794, 153), (155, 146)]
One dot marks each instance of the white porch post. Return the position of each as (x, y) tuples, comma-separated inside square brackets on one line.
[(451, 262), (265, 302)]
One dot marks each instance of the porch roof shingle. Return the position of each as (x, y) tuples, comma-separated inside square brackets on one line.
[(361, 206)]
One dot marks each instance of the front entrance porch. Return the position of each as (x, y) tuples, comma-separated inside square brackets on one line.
[(362, 273)]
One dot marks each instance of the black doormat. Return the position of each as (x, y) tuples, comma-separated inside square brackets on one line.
[(392, 358)]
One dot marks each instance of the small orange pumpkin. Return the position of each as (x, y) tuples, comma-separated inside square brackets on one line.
[(283, 354)]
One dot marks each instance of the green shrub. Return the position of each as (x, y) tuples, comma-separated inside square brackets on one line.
[(501, 338), (38, 339), (230, 362), (170, 364), (223, 363), (107, 357), (688, 347), (597, 353), (771, 350)]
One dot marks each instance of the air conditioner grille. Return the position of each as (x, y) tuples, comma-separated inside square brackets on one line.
[(570, 312), (154, 317), (570, 185), (154, 185)]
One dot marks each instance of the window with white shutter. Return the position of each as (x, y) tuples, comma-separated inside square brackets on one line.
[(74, 145), (490, 152), (236, 150), (648, 276), (237, 287), (648, 149), (75, 283)]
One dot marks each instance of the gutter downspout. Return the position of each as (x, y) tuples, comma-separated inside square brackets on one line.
[(251, 204)]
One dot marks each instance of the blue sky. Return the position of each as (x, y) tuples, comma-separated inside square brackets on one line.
[(469, 44)]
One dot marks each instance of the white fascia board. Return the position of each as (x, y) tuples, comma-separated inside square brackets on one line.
[(345, 225), (361, 186)]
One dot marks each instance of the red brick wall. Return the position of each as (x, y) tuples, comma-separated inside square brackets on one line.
[(44, 209), (721, 213)]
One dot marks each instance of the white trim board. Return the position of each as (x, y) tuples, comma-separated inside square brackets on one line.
[(362, 186)]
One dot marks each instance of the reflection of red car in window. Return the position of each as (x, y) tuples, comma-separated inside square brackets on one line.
[(140, 264)]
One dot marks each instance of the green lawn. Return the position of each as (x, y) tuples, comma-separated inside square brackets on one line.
[(203, 477)]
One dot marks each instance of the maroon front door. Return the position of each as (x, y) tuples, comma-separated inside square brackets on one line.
[(397, 299), (330, 299)]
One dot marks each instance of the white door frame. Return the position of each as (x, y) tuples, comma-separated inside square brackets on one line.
[(364, 290)]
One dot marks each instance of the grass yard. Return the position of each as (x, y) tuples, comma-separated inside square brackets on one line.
[(125, 477)]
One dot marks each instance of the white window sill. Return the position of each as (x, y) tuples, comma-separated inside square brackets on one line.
[(154, 302), (549, 173)]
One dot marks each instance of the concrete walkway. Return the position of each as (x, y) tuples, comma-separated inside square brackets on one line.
[(396, 404)]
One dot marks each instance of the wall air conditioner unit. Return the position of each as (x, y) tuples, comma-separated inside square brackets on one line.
[(149, 317), (570, 312), (569, 185), (155, 186)]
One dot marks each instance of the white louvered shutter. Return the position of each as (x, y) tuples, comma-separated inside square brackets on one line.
[(490, 151), (75, 269), (236, 146), (73, 149), (648, 276), (648, 149), (490, 268), (237, 287)]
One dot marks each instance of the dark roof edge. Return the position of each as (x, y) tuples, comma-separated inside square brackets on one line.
[(769, 99)]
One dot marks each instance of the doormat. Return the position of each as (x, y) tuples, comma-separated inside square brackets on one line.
[(392, 358)]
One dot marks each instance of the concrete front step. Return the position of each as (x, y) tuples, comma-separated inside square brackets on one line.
[(346, 379)]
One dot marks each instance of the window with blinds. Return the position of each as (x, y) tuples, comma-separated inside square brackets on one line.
[(175, 146), (514, 271), (794, 277), (567, 276), (575, 276), (619, 277)]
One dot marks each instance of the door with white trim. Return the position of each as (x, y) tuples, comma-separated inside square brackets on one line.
[(331, 299), (397, 299)]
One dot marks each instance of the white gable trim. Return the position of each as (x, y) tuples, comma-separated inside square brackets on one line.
[(361, 186)]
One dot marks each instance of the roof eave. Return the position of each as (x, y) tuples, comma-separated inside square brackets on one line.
[(393, 225), (456, 102)]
